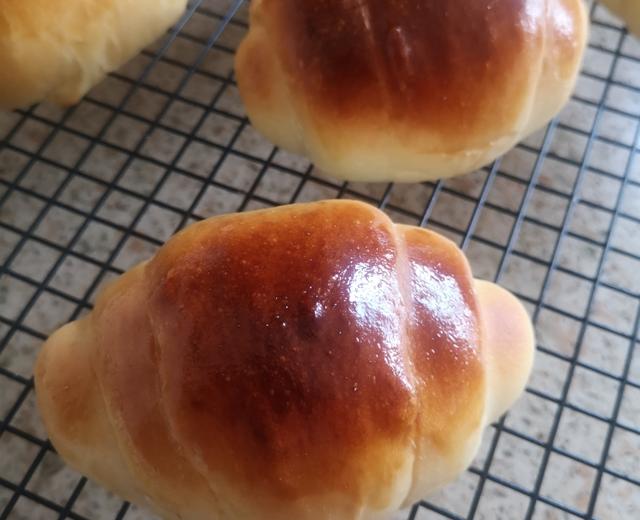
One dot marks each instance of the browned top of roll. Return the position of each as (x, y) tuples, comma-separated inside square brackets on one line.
[(303, 350), (465, 70)]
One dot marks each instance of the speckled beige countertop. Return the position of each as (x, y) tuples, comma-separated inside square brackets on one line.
[(92, 191)]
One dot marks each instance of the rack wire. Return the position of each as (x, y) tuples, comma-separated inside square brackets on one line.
[(87, 192)]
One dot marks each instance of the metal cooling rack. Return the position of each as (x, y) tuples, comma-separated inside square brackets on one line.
[(87, 192)]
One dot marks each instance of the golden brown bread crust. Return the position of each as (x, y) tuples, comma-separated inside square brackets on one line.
[(126, 366), (313, 360), (449, 373), (431, 64), (296, 320), (441, 86), (56, 51)]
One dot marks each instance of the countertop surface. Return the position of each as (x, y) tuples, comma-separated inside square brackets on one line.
[(92, 191)]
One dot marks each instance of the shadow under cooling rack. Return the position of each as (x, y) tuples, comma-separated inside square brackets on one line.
[(88, 192)]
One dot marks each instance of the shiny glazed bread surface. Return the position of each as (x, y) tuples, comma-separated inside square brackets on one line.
[(311, 361)]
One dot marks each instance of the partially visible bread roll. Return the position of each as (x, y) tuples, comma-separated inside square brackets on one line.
[(310, 362), (374, 90), (628, 10), (57, 50)]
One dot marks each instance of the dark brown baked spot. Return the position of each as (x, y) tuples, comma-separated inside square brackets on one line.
[(436, 63)]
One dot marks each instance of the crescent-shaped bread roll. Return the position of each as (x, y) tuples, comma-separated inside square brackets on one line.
[(313, 361), (57, 50), (375, 90), (628, 10)]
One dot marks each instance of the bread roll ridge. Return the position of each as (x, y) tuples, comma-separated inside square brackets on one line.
[(129, 378)]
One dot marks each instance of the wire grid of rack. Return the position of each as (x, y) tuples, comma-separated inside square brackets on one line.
[(87, 192)]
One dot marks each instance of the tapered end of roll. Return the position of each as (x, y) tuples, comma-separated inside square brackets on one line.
[(72, 408), (63, 380), (509, 346)]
